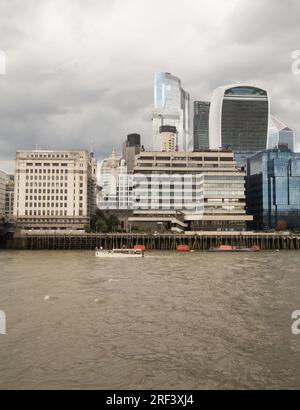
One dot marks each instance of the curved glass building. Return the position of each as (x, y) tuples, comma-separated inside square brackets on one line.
[(239, 119)]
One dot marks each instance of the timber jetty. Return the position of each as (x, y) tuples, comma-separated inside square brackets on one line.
[(163, 241)]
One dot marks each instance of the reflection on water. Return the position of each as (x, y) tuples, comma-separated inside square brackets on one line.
[(171, 320)]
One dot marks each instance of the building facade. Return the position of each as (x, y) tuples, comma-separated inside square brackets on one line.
[(273, 189), (239, 120), (280, 135), (9, 196), (2, 193), (131, 148), (171, 107), (54, 190), (221, 204), (168, 138), (115, 184), (201, 125)]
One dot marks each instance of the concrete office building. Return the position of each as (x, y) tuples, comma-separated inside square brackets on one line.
[(239, 120), (224, 202), (54, 190), (131, 148), (273, 189), (171, 107), (168, 138), (201, 125)]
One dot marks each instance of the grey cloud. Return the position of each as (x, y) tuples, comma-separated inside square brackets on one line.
[(82, 71)]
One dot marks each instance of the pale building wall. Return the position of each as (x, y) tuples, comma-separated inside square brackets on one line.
[(54, 184), (2, 192)]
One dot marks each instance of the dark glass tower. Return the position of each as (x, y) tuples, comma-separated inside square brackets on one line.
[(273, 189), (201, 125)]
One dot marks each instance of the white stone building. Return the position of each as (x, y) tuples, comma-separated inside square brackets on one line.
[(54, 189)]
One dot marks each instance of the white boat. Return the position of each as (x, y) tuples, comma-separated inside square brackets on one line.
[(119, 253)]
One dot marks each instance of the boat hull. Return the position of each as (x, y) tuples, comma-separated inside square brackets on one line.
[(105, 254), (231, 250)]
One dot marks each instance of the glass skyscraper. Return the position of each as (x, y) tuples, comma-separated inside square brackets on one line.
[(171, 107), (280, 134), (201, 124), (273, 189), (239, 120)]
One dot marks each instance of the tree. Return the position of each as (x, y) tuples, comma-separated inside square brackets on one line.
[(101, 223), (112, 223)]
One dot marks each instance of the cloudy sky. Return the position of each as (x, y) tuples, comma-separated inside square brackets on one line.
[(80, 72)]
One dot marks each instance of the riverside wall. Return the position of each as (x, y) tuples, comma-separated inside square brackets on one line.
[(168, 241)]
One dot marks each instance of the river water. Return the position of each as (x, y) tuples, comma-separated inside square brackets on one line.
[(169, 321)]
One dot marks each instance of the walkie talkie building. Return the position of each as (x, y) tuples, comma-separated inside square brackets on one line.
[(239, 119)]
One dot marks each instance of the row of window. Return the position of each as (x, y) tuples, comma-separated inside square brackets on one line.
[(44, 178), (46, 171), (49, 205), (52, 184)]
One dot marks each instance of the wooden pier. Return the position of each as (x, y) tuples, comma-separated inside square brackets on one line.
[(198, 241)]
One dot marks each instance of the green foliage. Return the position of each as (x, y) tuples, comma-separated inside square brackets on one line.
[(87, 228), (103, 223)]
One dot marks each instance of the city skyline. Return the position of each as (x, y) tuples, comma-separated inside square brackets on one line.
[(65, 89)]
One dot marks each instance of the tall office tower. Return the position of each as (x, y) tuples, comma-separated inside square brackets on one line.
[(201, 125), (239, 119), (54, 189), (2, 193), (168, 138), (273, 194), (171, 107), (280, 134), (131, 148)]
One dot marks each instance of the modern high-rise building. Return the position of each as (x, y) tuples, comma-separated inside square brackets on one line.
[(168, 138), (239, 120), (131, 148), (280, 135), (171, 107), (201, 125), (273, 189), (54, 189)]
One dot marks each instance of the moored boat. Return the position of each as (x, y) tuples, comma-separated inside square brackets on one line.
[(120, 253), (183, 248), (230, 248)]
